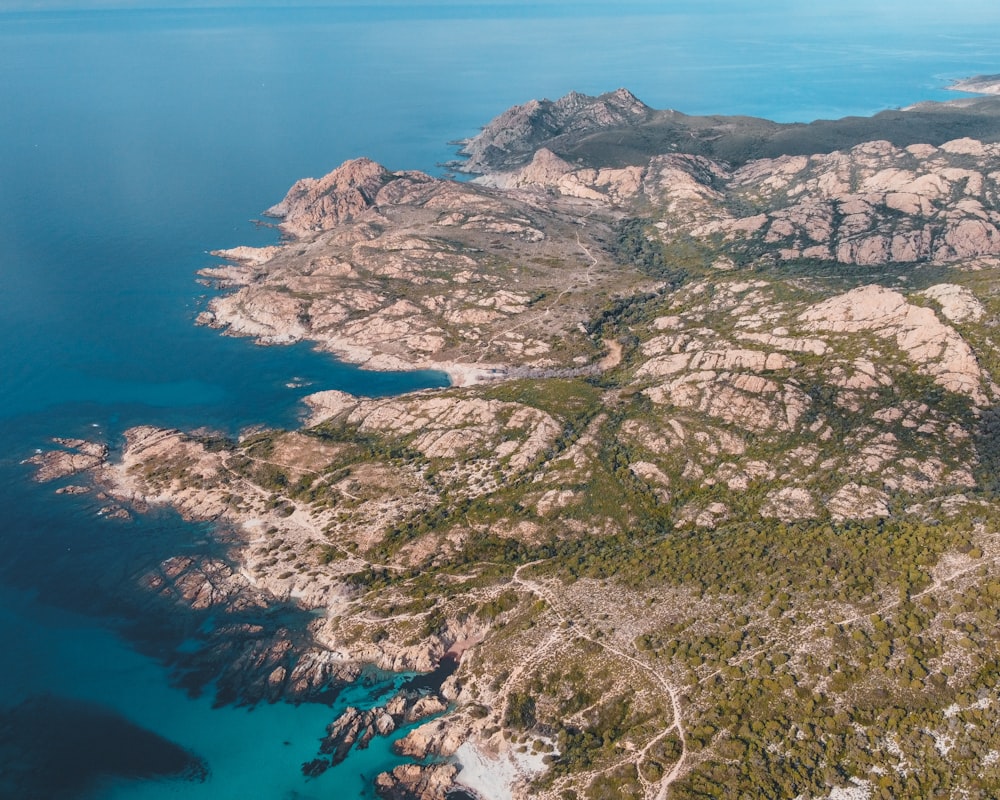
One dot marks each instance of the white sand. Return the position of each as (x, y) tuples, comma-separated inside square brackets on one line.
[(469, 374), (494, 777)]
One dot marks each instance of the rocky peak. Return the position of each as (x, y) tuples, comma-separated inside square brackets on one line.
[(318, 204), (612, 108), (616, 130), (511, 139), (544, 170)]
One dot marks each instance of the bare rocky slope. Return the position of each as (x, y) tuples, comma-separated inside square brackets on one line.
[(710, 508)]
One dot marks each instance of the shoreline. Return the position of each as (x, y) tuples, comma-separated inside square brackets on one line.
[(415, 522), (985, 85), (494, 776)]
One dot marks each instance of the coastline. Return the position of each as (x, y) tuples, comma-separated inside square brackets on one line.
[(368, 275), (977, 84), (464, 521)]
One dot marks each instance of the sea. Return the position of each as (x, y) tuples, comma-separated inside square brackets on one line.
[(134, 139)]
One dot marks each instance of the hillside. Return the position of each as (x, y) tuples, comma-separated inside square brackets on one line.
[(617, 129), (710, 509)]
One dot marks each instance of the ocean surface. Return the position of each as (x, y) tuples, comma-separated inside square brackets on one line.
[(132, 142)]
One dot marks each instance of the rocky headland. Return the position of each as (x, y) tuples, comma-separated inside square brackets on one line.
[(402, 270), (709, 509), (978, 84)]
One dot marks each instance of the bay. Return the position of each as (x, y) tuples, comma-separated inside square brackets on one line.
[(135, 140)]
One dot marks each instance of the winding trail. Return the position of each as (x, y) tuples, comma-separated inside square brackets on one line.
[(662, 786), (547, 311), (587, 275)]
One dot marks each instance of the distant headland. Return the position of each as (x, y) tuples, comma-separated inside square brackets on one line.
[(978, 84)]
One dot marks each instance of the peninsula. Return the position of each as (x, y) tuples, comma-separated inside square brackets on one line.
[(979, 84), (710, 508)]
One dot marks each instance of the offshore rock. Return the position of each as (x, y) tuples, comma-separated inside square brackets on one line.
[(74, 455), (355, 728)]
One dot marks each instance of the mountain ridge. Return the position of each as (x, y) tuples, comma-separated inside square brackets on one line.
[(567, 127)]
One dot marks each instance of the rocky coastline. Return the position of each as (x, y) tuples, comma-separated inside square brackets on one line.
[(978, 84), (713, 424)]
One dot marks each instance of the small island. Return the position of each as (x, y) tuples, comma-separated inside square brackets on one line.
[(710, 507)]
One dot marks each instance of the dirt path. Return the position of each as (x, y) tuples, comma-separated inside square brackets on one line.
[(587, 275), (654, 790)]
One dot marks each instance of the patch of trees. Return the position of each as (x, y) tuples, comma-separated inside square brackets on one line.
[(988, 447), (631, 244), (520, 711)]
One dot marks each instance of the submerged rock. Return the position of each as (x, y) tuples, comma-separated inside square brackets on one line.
[(61, 747)]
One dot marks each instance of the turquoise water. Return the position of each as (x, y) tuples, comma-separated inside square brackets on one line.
[(133, 142), (251, 753)]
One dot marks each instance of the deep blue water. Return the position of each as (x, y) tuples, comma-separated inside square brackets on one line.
[(133, 142)]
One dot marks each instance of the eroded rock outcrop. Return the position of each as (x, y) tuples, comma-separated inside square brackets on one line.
[(874, 204), (548, 172), (319, 204), (853, 501), (937, 349), (417, 782), (789, 504), (71, 457), (957, 303), (751, 401), (447, 427)]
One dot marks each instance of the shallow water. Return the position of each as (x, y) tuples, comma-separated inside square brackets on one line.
[(133, 142)]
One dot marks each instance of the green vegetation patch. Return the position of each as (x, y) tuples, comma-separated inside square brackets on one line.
[(567, 399)]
